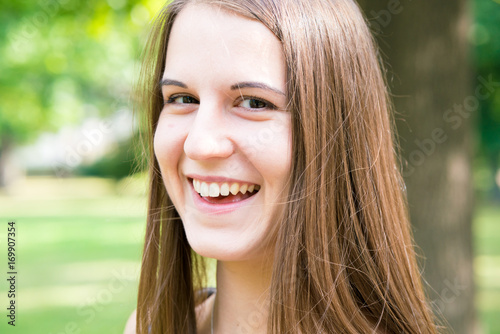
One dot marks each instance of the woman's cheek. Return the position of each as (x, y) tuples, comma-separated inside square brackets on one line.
[(169, 143), (278, 155)]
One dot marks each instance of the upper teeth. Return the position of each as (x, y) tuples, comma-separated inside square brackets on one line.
[(214, 189)]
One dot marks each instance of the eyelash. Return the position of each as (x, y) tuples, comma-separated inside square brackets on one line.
[(269, 105), (172, 98)]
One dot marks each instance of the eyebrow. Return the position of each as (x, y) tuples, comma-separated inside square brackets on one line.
[(237, 86), (259, 85), (170, 82)]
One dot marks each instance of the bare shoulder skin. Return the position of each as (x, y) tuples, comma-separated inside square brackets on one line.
[(203, 312), (130, 326)]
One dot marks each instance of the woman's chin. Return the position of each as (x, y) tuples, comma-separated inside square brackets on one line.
[(219, 252), (235, 251)]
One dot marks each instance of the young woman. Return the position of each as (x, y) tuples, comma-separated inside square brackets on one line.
[(271, 151)]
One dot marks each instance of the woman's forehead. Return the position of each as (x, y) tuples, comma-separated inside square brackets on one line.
[(209, 40)]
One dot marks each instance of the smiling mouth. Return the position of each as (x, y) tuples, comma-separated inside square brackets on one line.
[(224, 192)]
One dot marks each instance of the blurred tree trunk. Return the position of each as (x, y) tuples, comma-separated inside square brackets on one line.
[(5, 148), (424, 45)]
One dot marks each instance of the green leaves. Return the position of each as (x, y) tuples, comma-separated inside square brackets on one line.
[(62, 61)]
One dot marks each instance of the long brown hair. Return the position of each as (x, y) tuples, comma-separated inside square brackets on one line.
[(344, 259)]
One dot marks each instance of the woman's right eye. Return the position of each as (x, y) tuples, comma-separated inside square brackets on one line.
[(181, 99)]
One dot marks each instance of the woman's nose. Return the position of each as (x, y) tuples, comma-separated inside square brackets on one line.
[(208, 135)]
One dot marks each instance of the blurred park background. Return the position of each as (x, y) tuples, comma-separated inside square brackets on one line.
[(68, 179)]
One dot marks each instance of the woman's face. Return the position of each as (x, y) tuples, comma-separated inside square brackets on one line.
[(223, 140)]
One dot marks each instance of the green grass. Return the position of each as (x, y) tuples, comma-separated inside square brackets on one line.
[(78, 255), (487, 266), (79, 245)]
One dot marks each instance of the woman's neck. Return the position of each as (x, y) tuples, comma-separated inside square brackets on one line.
[(241, 303)]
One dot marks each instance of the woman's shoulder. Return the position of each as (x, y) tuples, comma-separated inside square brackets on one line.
[(207, 290), (206, 295), (204, 309), (201, 308), (130, 326)]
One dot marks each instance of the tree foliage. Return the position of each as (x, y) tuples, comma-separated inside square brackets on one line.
[(485, 36), (62, 61)]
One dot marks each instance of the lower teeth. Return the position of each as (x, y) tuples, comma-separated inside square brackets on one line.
[(229, 198)]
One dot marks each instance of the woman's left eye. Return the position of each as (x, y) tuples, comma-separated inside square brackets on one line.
[(254, 103), (181, 99)]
